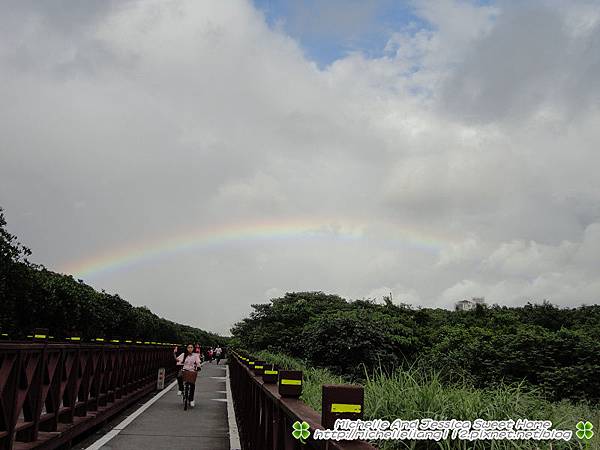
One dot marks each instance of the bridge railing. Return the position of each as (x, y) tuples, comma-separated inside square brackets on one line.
[(265, 418), (51, 393)]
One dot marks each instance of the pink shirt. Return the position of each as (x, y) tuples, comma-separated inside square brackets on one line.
[(191, 362)]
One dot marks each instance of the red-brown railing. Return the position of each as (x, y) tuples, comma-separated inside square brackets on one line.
[(51, 393), (265, 418)]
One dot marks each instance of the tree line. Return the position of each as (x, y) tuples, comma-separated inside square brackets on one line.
[(32, 296), (550, 349)]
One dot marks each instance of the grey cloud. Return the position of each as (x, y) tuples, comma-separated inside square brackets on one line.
[(524, 64), (59, 15), (55, 37), (147, 121)]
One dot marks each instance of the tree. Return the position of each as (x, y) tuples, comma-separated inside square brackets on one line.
[(13, 276)]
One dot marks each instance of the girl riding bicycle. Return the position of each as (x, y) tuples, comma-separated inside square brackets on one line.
[(189, 361)]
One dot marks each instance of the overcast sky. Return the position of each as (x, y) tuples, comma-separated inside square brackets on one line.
[(208, 155)]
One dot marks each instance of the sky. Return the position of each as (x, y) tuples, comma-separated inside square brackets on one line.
[(198, 157)]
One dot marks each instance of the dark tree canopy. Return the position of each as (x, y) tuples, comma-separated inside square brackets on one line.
[(548, 347)]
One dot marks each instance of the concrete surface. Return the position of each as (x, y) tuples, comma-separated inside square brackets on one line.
[(165, 425)]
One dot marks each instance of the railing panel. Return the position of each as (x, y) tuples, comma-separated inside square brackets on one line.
[(43, 385), (265, 418)]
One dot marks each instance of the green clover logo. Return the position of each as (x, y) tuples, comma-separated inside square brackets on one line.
[(301, 431), (584, 430)]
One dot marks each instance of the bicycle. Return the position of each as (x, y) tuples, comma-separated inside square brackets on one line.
[(189, 378)]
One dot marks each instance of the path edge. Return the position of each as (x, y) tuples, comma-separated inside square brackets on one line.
[(234, 436)]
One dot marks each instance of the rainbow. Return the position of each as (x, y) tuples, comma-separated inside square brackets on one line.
[(126, 256)]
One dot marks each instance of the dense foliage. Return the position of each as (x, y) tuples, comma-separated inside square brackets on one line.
[(418, 392), (554, 349), (34, 297)]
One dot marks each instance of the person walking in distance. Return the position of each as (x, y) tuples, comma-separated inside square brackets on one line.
[(179, 374), (218, 352)]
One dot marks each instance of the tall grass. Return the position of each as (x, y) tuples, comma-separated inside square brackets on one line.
[(416, 392)]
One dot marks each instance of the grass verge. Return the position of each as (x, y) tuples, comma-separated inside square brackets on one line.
[(417, 393)]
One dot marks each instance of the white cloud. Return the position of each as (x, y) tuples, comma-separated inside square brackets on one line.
[(467, 251), (519, 258), (464, 289), (461, 163), (519, 271)]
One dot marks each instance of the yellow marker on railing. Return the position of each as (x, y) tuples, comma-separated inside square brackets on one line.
[(291, 382), (39, 336), (146, 342), (138, 342), (116, 341), (128, 341), (75, 338), (345, 408), (99, 339), (272, 372), (259, 367)]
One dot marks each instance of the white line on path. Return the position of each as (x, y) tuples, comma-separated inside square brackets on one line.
[(234, 437), (116, 430)]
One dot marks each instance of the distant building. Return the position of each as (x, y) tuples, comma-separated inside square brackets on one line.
[(464, 305), (468, 305)]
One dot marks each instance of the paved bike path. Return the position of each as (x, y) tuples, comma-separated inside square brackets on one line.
[(165, 425)]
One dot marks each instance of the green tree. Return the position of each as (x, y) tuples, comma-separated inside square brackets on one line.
[(277, 325), (345, 340)]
